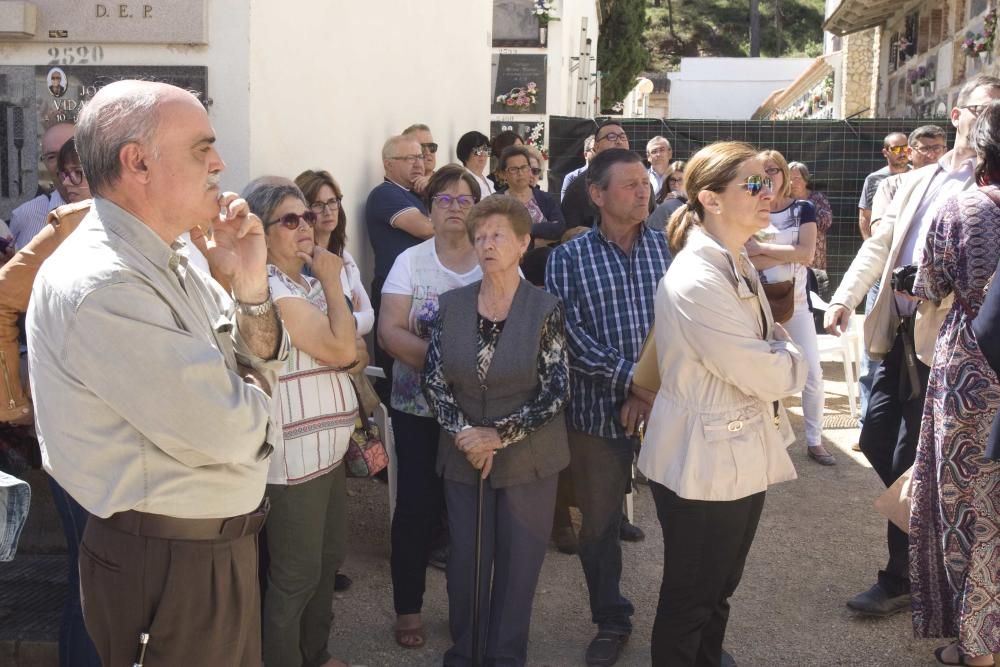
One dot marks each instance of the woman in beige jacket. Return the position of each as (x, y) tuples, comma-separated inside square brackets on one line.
[(717, 434)]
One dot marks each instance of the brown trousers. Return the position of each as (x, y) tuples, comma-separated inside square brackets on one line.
[(198, 600)]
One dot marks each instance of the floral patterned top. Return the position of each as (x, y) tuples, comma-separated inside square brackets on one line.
[(419, 274), (553, 374), (824, 220)]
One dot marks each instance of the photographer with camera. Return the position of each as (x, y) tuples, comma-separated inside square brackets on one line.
[(901, 329)]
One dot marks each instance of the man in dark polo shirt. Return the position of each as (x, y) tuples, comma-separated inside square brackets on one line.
[(396, 218)]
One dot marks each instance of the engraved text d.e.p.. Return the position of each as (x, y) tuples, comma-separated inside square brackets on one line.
[(123, 10)]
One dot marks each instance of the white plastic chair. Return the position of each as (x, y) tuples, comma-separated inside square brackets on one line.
[(388, 439), (846, 349)]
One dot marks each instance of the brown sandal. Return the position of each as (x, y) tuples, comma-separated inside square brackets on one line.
[(404, 634)]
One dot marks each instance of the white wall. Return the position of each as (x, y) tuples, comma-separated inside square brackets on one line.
[(330, 81), (728, 88)]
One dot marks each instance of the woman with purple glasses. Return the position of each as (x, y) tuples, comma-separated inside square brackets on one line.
[(315, 406)]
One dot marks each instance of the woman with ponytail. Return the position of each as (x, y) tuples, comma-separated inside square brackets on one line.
[(717, 434)]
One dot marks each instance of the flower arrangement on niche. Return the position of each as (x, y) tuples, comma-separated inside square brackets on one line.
[(534, 139), (545, 11), (520, 99), (976, 45)]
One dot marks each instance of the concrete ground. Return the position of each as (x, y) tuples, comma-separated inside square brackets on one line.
[(819, 543)]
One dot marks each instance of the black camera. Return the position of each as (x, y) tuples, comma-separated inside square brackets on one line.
[(903, 278)]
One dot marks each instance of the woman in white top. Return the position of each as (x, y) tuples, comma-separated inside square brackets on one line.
[(781, 252), (316, 407), (325, 198), (409, 307), (717, 435), (473, 151)]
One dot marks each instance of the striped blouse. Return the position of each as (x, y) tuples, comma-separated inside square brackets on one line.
[(314, 404)]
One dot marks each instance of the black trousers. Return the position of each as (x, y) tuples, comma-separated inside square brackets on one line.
[(705, 545), (419, 504), (889, 442)]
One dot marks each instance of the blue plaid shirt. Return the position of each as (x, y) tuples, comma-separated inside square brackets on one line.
[(608, 297)]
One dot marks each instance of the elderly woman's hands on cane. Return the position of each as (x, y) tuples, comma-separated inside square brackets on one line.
[(478, 444)]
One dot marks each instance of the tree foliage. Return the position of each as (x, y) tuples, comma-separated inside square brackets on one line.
[(622, 52), (691, 28)]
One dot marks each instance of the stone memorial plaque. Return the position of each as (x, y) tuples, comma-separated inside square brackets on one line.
[(32, 99), (148, 22), (518, 83), (515, 23)]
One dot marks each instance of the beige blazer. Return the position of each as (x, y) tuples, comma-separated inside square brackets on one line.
[(877, 258), (711, 434)]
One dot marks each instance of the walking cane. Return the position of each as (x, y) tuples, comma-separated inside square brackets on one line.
[(476, 661)]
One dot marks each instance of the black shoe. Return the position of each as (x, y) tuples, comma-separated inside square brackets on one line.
[(605, 648), (342, 582), (877, 602), (439, 558), (630, 532), (727, 659), (565, 540)]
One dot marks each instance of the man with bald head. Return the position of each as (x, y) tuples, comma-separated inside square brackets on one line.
[(151, 386), (895, 152), (29, 218), (397, 218)]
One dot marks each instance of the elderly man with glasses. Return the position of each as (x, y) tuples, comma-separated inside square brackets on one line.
[(659, 153)]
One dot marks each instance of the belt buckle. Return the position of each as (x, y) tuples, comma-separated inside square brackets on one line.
[(735, 426)]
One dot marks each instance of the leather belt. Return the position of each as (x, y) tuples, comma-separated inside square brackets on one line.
[(173, 528)]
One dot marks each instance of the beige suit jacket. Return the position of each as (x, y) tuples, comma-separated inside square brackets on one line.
[(877, 258)]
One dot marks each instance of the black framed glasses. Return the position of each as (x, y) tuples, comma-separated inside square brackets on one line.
[(481, 151), (523, 169), (536, 171), (613, 137), (930, 151), (294, 220), (445, 201), (754, 185), (332, 205), (75, 176), (431, 148), (975, 109)]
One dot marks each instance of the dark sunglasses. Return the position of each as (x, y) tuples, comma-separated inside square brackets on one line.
[(755, 184), (74, 176), (293, 220), (430, 148)]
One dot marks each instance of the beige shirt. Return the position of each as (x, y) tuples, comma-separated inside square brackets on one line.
[(711, 434), (133, 357)]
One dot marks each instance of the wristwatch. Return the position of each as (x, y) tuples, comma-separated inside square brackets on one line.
[(255, 309)]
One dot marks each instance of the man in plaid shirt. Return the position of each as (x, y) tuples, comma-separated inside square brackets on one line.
[(607, 279)]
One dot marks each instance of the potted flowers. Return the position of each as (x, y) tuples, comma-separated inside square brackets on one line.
[(913, 76), (926, 79), (545, 12), (520, 99), (977, 46)]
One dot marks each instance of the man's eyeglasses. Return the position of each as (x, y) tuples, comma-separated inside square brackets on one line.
[(754, 185), (896, 150), (481, 151), (431, 148), (74, 176), (331, 204), (445, 201), (929, 151), (523, 169), (412, 159), (675, 179), (613, 137), (293, 220), (975, 109)]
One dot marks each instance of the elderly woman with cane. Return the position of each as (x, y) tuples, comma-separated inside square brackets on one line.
[(496, 376)]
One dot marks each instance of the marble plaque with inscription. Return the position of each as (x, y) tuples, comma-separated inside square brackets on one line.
[(519, 83), (148, 22), (32, 99), (515, 23)]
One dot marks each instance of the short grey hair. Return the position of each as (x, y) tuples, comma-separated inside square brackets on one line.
[(267, 196), (416, 127), (121, 113), (801, 168), (658, 140), (588, 143), (392, 143)]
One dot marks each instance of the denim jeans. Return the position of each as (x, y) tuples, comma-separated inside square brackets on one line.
[(15, 497), (75, 647), (601, 469)]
